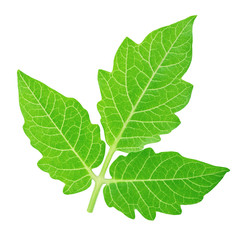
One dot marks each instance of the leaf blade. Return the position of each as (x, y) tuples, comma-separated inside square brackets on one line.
[(60, 129), (162, 182), (146, 84)]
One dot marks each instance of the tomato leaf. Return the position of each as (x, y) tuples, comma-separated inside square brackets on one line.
[(151, 182), (139, 100), (59, 128), (144, 90)]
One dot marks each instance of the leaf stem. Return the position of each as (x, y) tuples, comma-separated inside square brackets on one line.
[(100, 180), (94, 196), (107, 161)]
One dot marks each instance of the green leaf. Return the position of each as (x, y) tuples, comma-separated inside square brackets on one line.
[(60, 129), (144, 90), (139, 100), (151, 182)]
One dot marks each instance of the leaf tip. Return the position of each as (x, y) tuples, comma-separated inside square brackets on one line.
[(223, 170), (20, 73), (226, 170), (193, 17)]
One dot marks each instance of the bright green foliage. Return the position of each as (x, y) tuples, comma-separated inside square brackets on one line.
[(139, 100), (60, 129), (145, 89), (151, 182)]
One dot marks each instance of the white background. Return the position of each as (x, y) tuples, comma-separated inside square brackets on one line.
[(63, 44)]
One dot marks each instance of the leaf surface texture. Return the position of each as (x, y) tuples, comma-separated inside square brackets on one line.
[(145, 88), (151, 182), (59, 128)]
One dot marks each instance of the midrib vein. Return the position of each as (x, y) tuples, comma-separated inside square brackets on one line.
[(108, 181), (73, 150), (145, 89)]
